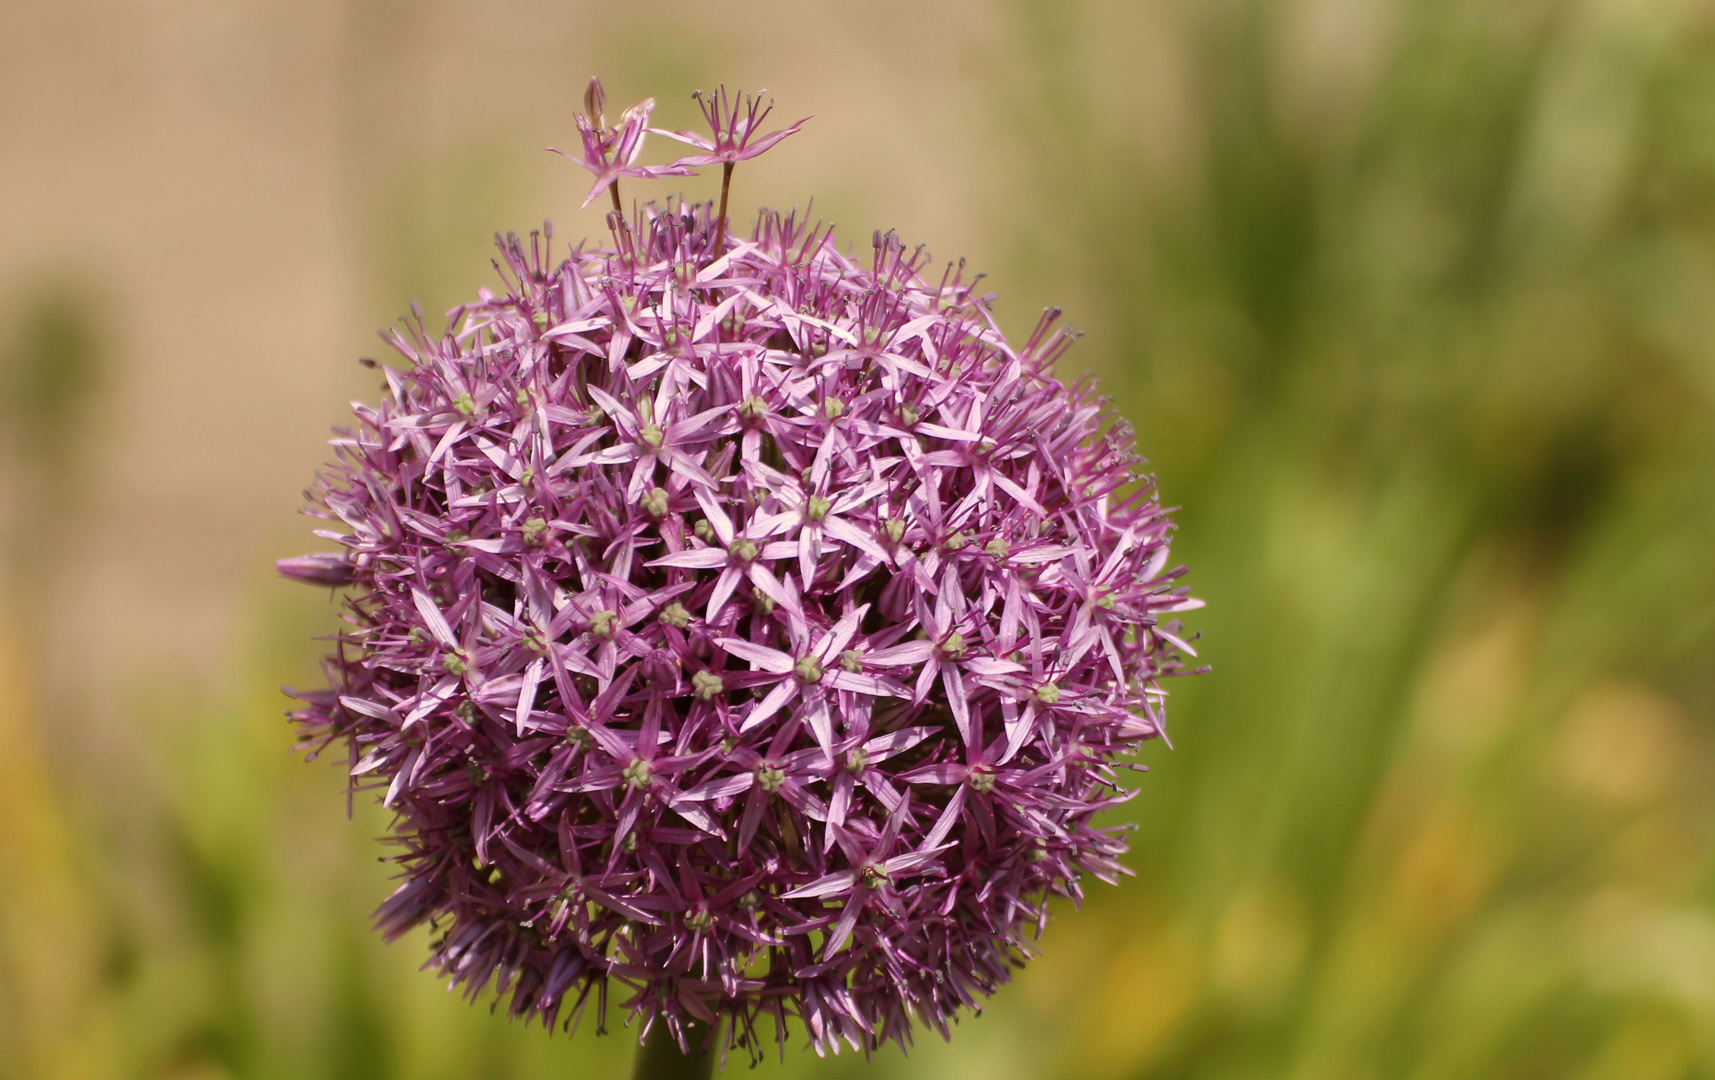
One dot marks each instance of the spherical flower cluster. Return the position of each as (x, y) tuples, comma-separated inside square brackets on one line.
[(743, 624)]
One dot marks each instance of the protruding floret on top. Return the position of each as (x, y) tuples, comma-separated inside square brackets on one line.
[(743, 624), (611, 153), (734, 125)]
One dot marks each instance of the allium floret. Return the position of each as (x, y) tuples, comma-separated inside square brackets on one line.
[(740, 623)]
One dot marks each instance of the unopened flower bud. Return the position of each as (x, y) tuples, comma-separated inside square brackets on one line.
[(595, 103)]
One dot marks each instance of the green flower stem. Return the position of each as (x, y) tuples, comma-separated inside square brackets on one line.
[(659, 1058)]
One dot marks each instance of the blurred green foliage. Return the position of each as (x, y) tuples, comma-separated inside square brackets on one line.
[(1420, 332), (51, 367)]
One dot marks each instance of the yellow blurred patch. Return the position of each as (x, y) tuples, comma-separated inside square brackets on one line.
[(1142, 997), (1649, 1045), (1443, 873), (1622, 743), (51, 1016), (1259, 945), (1467, 700)]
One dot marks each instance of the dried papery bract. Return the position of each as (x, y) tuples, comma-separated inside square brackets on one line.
[(742, 626)]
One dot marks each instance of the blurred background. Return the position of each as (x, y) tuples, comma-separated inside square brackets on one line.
[(1411, 301)]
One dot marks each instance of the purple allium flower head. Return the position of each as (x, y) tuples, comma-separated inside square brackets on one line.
[(743, 624)]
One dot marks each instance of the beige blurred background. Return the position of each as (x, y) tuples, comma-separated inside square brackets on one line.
[(1412, 303)]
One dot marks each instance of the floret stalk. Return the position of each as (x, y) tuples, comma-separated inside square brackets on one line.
[(720, 229), (659, 1058)]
